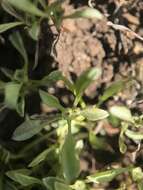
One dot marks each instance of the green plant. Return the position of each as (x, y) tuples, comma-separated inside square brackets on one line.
[(65, 126)]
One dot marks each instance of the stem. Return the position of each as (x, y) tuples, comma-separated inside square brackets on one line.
[(30, 146)]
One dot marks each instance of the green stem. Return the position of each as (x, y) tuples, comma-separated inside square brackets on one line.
[(31, 145)]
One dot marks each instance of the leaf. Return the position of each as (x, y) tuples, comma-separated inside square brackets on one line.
[(122, 145), (43, 3), (17, 42), (12, 94), (122, 113), (61, 186), (94, 114), (80, 185), (86, 13), (98, 143), (9, 9), (49, 182), (21, 106), (56, 76), (137, 174), (50, 100), (7, 72), (70, 162), (106, 176), (34, 31), (84, 80), (22, 179), (7, 26), (140, 185), (9, 186), (113, 89), (134, 135), (27, 130), (41, 157), (2, 85), (28, 7)]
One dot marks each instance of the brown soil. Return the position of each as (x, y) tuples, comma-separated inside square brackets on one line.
[(89, 43)]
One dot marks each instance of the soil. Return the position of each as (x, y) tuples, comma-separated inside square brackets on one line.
[(85, 43), (89, 43)]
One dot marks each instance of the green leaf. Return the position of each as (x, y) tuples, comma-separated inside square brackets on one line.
[(70, 162), (113, 89), (43, 3), (84, 80), (98, 143), (134, 135), (2, 85), (106, 176), (23, 179), (86, 13), (12, 94), (137, 174), (7, 26), (7, 72), (9, 186), (56, 76), (80, 185), (17, 42), (41, 157), (34, 30), (94, 114), (122, 113), (50, 100), (140, 185), (53, 77), (9, 9), (122, 145), (49, 182), (28, 7), (61, 186), (27, 130)]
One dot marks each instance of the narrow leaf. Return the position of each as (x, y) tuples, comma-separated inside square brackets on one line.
[(28, 7), (70, 162), (61, 186), (122, 145), (17, 42), (137, 174), (12, 93), (50, 100), (9, 9), (56, 76), (49, 182), (43, 3), (122, 113), (7, 26), (34, 31), (134, 135), (10, 186), (27, 130), (85, 80), (94, 114), (98, 143), (113, 89), (22, 179), (106, 176), (86, 13), (140, 185), (41, 157)]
